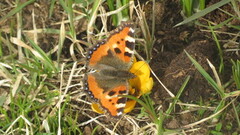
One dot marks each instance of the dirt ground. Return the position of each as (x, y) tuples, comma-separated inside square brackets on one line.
[(172, 65), (169, 61)]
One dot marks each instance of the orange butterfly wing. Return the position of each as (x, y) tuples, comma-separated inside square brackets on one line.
[(110, 61)]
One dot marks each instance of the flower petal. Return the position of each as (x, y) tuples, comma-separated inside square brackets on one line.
[(143, 82), (96, 108), (140, 68), (146, 86), (129, 106)]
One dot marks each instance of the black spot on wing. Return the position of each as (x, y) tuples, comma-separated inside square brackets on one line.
[(117, 50), (120, 109), (121, 100), (111, 93), (122, 92), (128, 54), (131, 34), (130, 45)]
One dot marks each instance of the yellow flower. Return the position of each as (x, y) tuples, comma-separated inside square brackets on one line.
[(96, 108), (140, 85), (143, 82)]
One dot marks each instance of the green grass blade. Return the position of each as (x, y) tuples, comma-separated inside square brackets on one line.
[(171, 107), (236, 73), (187, 7), (234, 26), (203, 12), (119, 14), (201, 4), (148, 109), (93, 14), (64, 5), (220, 106), (71, 16), (221, 66), (51, 8), (67, 6), (169, 110), (220, 25), (125, 11), (44, 58), (237, 115), (219, 90), (110, 4)]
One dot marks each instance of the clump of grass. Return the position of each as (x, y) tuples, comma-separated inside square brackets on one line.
[(202, 12), (236, 73), (220, 89), (29, 91), (226, 98), (119, 16), (148, 33), (158, 117), (189, 7)]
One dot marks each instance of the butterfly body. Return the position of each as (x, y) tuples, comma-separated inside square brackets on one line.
[(110, 62)]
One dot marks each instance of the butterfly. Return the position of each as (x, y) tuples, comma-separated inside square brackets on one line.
[(108, 63)]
